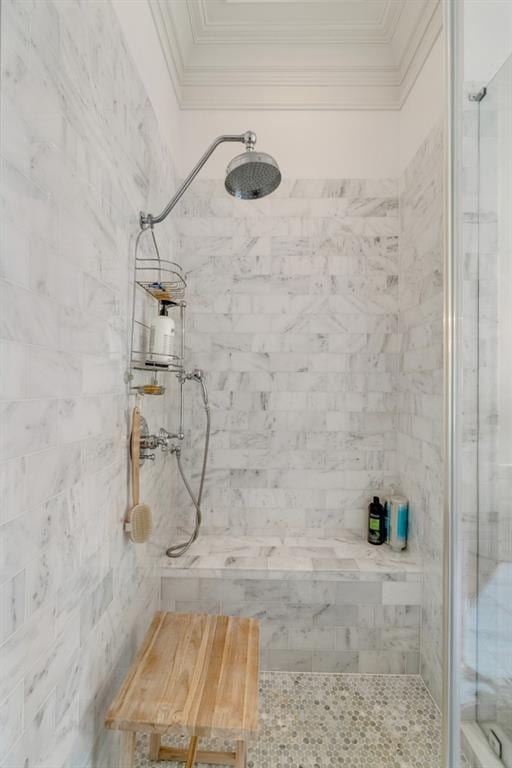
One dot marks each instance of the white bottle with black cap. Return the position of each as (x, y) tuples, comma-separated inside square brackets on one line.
[(161, 338)]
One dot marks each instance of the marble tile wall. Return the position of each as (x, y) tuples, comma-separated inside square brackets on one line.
[(420, 390), (80, 156), (314, 625), (293, 314)]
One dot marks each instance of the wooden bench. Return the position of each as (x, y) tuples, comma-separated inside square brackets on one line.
[(194, 674)]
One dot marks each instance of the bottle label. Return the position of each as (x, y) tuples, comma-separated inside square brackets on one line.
[(374, 524), (401, 524)]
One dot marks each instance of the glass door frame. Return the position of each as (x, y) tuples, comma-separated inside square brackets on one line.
[(452, 580)]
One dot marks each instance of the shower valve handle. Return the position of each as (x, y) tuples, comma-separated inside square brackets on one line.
[(161, 440)]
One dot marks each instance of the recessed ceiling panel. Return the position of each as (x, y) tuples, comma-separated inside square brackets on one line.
[(309, 54)]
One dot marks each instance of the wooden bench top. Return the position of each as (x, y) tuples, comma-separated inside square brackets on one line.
[(195, 674)]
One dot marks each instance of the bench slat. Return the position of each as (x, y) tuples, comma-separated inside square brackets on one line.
[(195, 674)]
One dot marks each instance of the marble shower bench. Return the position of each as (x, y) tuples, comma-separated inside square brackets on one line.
[(325, 605)]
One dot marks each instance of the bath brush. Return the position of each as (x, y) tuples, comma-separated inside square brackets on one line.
[(138, 521)]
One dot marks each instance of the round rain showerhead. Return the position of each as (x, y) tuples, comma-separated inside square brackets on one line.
[(252, 175)]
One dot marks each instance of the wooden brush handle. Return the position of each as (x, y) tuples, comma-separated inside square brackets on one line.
[(135, 453)]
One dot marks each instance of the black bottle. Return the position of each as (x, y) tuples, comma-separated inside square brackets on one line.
[(376, 522)]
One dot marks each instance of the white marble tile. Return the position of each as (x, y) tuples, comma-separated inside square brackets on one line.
[(402, 593), (312, 638), (299, 324), (335, 661), (27, 426), (12, 488), (33, 637), (53, 374), (50, 472), (12, 605), (81, 155), (11, 721), (357, 639), (14, 370), (382, 662), (288, 660), (37, 743), (419, 440), (44, 674)]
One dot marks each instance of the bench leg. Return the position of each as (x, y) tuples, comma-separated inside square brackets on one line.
[(241, 754), (154, 746), (128, 739), (192, 749)]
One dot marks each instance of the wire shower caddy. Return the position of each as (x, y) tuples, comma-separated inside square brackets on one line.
[(163, 280)]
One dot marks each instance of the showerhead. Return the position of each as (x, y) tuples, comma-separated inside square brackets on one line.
[(252, 175), (249, 176)]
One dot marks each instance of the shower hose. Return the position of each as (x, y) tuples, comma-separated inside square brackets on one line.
[(179, 549)]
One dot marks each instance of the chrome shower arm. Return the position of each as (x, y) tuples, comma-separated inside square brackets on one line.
[(248, 138)]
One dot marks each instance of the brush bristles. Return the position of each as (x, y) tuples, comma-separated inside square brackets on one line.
[(140, 524)]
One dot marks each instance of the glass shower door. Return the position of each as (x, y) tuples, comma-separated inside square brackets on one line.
[(494, 424)]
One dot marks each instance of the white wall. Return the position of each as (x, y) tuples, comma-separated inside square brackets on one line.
[(423, 107), (141, 37), (487, 37), (307, 144)]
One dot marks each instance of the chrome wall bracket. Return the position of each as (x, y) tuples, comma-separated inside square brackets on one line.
[(148, 220), (477, 95)]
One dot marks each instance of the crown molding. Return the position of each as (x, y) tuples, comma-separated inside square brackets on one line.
[(313, 31), (420, 45), (359, 76)]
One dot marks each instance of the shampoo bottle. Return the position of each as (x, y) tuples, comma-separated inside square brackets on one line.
[(161, 338), (376, 522)]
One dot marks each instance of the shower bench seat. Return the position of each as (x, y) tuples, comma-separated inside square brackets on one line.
[(194, 674), (333, 604)]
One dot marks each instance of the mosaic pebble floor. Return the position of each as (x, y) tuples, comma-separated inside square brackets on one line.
[(325, 720)]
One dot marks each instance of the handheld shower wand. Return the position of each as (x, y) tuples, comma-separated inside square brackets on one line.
[(179, 549)]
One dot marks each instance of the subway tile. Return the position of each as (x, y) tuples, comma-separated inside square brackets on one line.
[(95, 605), (14, 370), (27, 426), (53, 374), (358, 639), (202, 606), (337, 616), (11, 721), (288, 661), (179, 589), (36, 745), (51, 472), (382, 662), (12, 488), (335, 661), (33, 637), (12, 605), (16, 324), (401, 593), (274, 636), (366, 593), (44, 674), (400, 638), (312, 639)]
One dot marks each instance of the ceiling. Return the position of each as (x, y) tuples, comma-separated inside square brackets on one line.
[(295, 54)]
